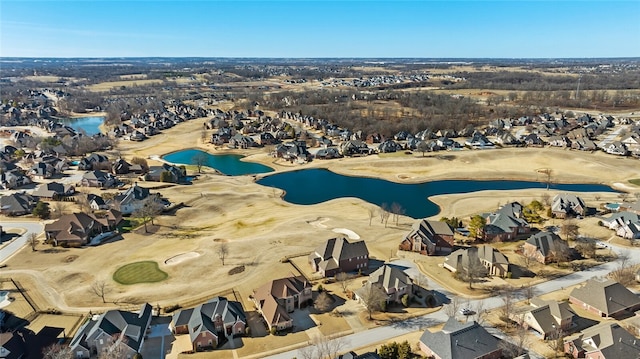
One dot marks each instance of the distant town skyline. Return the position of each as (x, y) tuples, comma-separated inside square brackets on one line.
[(319, 29)]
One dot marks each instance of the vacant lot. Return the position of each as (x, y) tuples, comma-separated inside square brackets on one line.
[(106, 86)]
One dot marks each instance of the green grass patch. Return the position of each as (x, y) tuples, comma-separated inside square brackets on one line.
[(139, 272), (635, 181), (129, 224)]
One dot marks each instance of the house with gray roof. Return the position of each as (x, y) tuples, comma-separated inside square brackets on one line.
[(338, 255), (429, 237), (131, 200), (391, 278), (605, 298), (17, 204), (113, 329), (603, 341), (507, 223), (277, 298), (546, 317), (98, 179), (211, 323), (495, 262), (460, 341), (54, 190), (567, 205), (619, 219), (544, 247)]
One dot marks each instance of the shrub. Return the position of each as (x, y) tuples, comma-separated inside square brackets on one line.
[(41, 210), (405, 300), (273, 331), (172, 308), (247, 331), (320, 289)]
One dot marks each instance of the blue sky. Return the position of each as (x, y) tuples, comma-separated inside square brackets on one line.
[(452, 29)]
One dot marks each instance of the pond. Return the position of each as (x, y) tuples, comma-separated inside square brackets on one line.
[(319, 185), (90, 124), (228, 164)]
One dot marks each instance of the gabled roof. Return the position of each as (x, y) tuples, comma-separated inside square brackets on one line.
[(201, 318), (567, 203), (460, 341), (131, 325), (545, 242), (505, 219), (606, 295), (335, 250), (50, 189), (390, 276), (612, 340), (549, 314), (17, 202)]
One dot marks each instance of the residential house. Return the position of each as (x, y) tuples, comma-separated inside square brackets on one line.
[(389, 146), (544, 247), (603, 341), (338, 255), (353, 355), (392, 279), (507, 223), (533, 140), (13, 179), (354, 148), (42, 170), (618, 219), (560, 141), (96, 202), (546, 317), (605, 298), (119, 329), (54, 190), (429, 237), (95, 161), (328, 153), (98, 179), (567, 205), (174, 174), (274, 300), (210, 324), (460, 341), (496, 263), (629, 230), (616, 148), (17, 204), (583, 144), (77, 229), (131, 200), (12, 345), (480, 141)]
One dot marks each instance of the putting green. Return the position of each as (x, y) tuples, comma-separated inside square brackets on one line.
[(139, 272)]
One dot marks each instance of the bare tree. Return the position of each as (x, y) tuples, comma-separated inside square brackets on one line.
[(473, 271), (82, 201), (199, 159), (323, 302), (374, 298), (561, 252), (57, 351), (58, 209), (222, 251), (623, 196), (344, 279), (372, 213), (507, 294), (115, 348), (397, 211), (32, 239), (624, 273), (555, 340), (99, 288), (519, 344), (529, 292), (150, 209), (569, 229), (587, 249), (480, 312), (546, 199), (451, 308), (384, 214), (548, 172), (322, 347)]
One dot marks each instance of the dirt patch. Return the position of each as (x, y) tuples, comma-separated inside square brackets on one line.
[(236, 270), (181, 258), (69, 259)]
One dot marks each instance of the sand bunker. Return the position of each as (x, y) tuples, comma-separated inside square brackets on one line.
[(181, 258), (349, 233), (623, 187)]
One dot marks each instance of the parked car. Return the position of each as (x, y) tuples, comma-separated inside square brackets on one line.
[(467, 311)]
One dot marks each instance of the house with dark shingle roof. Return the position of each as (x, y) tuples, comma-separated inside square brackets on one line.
[(605, 298), (543, 247), (132, 199), (211, 323), (98, 179), (77, 229), (505, 224), (603, 341), (114, 328), (460, 341), (54, 190), (567, 205), (546, 317), (392, 279), (17, 204), (339, 255), (274, 300), (429, 237), (495, 262)]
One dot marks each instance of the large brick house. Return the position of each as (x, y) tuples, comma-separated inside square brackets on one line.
[(209, 324), (605, 298), (544, 247), (274, 300), (505, 224), (429, 237), (338, 255), (460, 341)]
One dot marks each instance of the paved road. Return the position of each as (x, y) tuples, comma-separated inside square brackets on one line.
[(15, 245), (371, 336)]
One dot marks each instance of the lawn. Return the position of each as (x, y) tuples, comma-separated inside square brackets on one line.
[(139, 272), (635, 181)]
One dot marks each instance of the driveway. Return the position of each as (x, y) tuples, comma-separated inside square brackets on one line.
[(160, 340), (17, 243)]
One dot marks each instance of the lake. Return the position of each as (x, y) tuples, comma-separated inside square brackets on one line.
[(319, 185), (228, 164), (90, 124)]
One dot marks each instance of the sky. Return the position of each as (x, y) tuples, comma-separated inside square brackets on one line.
[(320, 29)]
